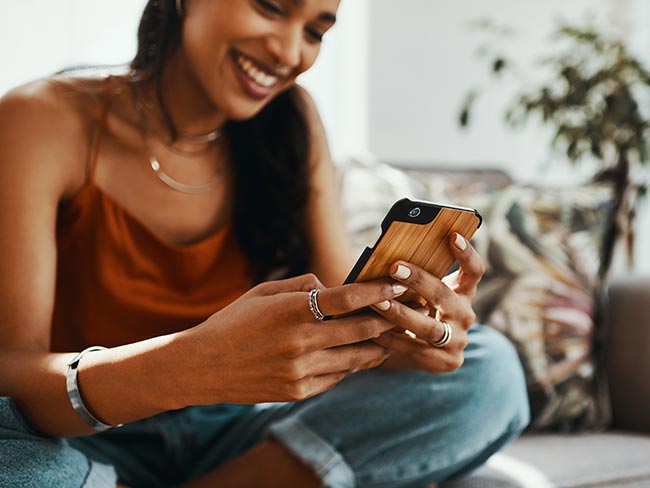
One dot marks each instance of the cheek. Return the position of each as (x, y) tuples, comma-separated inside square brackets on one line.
[(309, 57)]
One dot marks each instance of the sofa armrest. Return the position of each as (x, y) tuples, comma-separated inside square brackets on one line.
[(627, 352)]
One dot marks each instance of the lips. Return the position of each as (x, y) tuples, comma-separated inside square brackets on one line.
[(256, 79)]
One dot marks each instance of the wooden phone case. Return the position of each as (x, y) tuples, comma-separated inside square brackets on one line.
[(422, 240)]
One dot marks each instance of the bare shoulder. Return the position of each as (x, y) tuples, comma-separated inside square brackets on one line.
[(308, 105), (45, 128), (320, 147)]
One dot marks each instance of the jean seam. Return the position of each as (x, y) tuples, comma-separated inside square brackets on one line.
[(324, 467)]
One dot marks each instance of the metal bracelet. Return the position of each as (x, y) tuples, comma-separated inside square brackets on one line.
[(75, 396)]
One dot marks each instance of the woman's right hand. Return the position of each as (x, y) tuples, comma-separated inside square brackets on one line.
[(267, 346)]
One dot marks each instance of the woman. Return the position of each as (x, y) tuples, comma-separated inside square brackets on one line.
[(152, 213)]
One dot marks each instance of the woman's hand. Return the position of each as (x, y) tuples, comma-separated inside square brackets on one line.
[(448, 300), (267, 346)]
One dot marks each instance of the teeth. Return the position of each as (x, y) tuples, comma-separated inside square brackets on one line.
[(255, 73)]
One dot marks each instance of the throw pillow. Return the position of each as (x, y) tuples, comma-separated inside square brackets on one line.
[(542, 247)]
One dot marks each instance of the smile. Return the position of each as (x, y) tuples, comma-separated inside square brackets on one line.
[(257, 80)]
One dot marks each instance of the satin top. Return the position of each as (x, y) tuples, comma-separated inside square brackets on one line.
[(118, 282)]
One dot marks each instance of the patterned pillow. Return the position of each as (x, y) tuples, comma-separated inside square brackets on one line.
[(542, 248)]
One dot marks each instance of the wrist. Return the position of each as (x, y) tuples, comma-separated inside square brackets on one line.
[(131, 382)]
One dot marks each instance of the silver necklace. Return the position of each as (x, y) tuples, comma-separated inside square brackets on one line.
[(141, 107), (157, 168), (177, 185)]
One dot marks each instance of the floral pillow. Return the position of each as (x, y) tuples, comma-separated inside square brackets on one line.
[(542, 248)]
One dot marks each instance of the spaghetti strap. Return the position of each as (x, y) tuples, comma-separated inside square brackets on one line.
[(99, 131)]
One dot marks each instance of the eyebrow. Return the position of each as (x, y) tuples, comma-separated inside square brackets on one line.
[(325, 16)]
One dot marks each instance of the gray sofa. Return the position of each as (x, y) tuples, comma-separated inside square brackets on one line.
[(618, 457)]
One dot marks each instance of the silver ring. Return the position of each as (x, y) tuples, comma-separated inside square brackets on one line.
[(446, 336), (313, 304)]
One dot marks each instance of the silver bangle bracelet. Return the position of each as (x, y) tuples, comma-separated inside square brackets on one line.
[(75, 396)]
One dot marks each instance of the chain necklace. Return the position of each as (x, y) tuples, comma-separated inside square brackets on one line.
[(162, 175), (177, 185), (141, 107)]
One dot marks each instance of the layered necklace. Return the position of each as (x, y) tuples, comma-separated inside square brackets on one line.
[(207, 139)]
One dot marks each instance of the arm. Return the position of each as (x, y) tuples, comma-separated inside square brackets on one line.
[(41, 160), (332, 256), (227, 358)]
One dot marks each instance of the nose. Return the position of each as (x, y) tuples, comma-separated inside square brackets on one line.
[(286, 46)]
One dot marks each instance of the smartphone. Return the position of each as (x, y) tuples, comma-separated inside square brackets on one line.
[(416, 232)]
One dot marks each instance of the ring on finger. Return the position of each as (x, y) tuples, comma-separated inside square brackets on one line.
[(313, 304), (446, 336)]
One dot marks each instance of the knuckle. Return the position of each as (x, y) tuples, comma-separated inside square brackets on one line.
[(454, 362), (481, 267), (297, 391), (469, 319), (294, 349), (293, 371), (350, 300), (367, 328), (311, 279)]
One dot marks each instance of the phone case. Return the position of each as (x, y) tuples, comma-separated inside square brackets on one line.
[(417, 232)]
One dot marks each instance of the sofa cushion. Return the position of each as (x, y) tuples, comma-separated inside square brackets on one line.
[(609, 459), (542, 249)]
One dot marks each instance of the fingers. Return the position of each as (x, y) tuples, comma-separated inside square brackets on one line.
[(346, 330), (426, 357), (470, 263), (301, 283), (424, 327), (344, 358), (356, 296), (435, 292), (313, 385)]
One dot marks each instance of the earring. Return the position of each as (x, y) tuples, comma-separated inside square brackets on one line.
[(179, 8)]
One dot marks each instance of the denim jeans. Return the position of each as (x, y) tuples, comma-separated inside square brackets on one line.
[(377, 428)]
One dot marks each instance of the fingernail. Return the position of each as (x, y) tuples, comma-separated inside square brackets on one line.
[(402, 272), (460, 242), (383, 306), (399, 289), (424, 311)]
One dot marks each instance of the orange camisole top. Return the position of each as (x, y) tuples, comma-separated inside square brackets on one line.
[(117, 282)]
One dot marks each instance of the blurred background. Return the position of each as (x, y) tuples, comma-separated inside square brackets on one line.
[(390, 81)]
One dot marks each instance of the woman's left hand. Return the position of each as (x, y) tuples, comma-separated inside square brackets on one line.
[(448, 300)]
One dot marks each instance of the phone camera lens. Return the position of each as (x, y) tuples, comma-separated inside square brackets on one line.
[(414, 212)]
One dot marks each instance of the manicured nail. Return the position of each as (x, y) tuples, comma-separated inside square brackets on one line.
[(399, 289), (402, 272), (460, 242), (385, 305)]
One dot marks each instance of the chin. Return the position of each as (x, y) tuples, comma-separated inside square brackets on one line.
[(245, 111)]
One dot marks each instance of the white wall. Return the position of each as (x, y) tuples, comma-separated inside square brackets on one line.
[(39, 37), (423, 63)]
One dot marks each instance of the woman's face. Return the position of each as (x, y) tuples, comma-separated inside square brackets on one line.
[(242, 53)]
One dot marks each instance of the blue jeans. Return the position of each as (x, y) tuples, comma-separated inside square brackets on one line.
[(377, 428)]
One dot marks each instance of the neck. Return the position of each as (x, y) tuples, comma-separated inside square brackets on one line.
[(191, 110)]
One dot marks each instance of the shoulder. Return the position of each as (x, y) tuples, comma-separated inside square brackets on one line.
[(319, 145), (307, 105), (45, 128)]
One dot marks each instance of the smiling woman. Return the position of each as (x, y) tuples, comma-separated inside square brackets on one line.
[(168, 235)]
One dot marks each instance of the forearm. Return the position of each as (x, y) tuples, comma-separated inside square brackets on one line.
[(119, 385)]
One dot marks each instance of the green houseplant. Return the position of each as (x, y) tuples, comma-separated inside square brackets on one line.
[(594, 100)]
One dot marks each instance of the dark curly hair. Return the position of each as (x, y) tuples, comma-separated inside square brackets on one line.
[(270, 155)]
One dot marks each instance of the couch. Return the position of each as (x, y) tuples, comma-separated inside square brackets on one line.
[(612, 453), (616, 457)]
